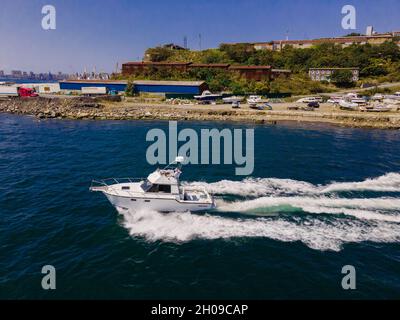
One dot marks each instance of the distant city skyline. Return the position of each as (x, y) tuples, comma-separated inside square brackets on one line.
[(101, 33)]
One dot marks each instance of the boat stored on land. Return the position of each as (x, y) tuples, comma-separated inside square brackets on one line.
[(207, 97), (354, 98), (233, 99), (346, 104), (377, 108), (335, 99), (309, 99), (160, 191), (253, 100)]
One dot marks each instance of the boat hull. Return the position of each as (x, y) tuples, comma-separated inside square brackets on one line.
[(157, 204)]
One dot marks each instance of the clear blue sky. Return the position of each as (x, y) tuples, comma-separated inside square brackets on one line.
[(103, 32)]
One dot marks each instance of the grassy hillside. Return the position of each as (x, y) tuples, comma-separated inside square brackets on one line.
[(377, 64)]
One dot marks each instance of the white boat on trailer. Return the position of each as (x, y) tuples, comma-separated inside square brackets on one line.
[(160, 191), (233, 99), (347, 104), (377, 108), (208, 97), (253, 100)]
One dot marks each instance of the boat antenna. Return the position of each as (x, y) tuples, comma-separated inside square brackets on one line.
[(178, 161)]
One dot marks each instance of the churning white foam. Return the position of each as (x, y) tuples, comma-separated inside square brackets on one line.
[(316, 234), (256, 187), (370, 209), (387, 183), (377, 219)]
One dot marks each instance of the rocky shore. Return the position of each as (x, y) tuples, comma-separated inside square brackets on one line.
[(95, 109)]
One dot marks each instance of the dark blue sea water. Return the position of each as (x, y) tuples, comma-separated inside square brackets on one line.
[(319, 198)]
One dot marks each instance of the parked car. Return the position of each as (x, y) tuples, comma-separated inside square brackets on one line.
[(235, 104)]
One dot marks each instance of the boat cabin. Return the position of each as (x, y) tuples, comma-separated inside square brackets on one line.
[(162, 181)]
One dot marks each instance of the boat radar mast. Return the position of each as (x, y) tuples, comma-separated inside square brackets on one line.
[(179, 160)]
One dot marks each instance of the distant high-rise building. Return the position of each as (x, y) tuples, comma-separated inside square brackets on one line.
[(370, 31), (16, 73), (1, 73)]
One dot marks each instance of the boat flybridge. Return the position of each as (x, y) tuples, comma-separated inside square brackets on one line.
[(160, 191)]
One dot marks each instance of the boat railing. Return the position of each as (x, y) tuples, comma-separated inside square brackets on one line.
[(101, 184), (196, 188)]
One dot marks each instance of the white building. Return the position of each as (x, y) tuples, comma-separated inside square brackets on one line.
[(325, 74)]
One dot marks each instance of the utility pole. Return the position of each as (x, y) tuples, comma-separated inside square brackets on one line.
[(200, 41)]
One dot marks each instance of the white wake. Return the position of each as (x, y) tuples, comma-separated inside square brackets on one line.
[(369, 209), (330, 220), (257, 187), (315, 233)]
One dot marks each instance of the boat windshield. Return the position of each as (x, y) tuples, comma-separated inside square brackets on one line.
[(146, 185), (160, 188)]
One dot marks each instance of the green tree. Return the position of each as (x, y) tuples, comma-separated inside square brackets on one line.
[(130, 89), (158, 54), (239, 53), (262, 87), (353, 34), (342, 78)]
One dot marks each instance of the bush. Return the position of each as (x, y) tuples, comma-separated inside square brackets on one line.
[(130, 89), (342, 78)]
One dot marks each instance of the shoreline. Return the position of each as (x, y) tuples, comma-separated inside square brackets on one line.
[(81, 108)]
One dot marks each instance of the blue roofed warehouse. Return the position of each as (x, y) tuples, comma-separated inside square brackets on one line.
[(185, 88)]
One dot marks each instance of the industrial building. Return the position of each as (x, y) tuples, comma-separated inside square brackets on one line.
[(184, 88), (371, 37), (170, 87), (78, 84), (257, 73)]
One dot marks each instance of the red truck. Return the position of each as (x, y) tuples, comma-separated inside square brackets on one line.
[(13, 91), (27, 92)]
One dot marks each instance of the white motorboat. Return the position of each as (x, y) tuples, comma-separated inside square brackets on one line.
[(232, 99), (377, 108), (391, 101), (160, 191), (253, 100), (335, 99), (345, 104), (310, 99), (354, 98), (207, 97), (395, 96), (378, 97)]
